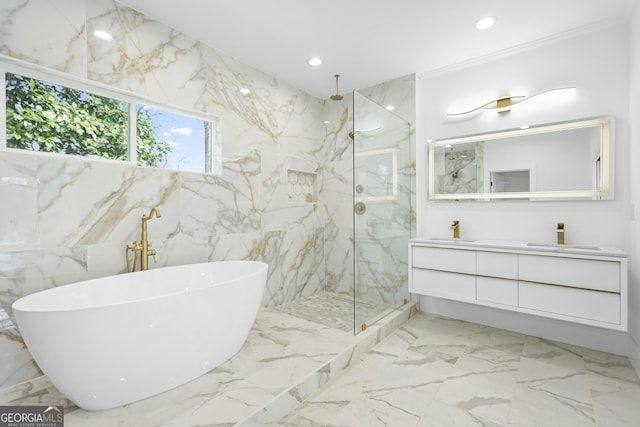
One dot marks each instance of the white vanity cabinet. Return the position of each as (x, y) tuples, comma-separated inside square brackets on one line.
[(582, 286)]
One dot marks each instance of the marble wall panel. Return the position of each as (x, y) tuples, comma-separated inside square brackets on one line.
[(260, 246), (144, 57), (338, 122), (248, 120), (279, 213), (83, 202), (60, 22), (22, 273), (381, 266), (400, 93), (230, 203), (26, 272), (180, 250), (300, 126), (338, 226), (18, 192), (302, 263)]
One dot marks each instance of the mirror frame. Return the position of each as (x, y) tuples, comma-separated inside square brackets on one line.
[(604, 123)]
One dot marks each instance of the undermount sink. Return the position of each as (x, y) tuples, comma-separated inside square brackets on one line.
[(555, 245)]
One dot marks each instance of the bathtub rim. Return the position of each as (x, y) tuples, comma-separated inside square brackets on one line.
[(25, 304)]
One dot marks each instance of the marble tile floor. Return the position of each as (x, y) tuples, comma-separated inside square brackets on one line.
[(334, 310), (435, 372), (283, 361)]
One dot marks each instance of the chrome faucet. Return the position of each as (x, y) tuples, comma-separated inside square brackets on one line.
[(560, 233), (143, 245), (455, 226)]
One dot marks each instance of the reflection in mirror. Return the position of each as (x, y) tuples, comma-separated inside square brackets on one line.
[(561, 160)]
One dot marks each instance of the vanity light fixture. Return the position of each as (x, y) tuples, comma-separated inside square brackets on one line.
[(315, 61), (103, 35), (484, 23), (505, 103)]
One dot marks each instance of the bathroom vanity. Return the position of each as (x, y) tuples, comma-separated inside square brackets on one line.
[(581, 284)]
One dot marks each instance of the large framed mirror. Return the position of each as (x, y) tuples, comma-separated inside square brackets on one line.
[(569, 160)]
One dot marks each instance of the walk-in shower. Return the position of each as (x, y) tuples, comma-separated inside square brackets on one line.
[(366, 199)]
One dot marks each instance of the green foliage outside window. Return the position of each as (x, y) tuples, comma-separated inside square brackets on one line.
[(46, 117)]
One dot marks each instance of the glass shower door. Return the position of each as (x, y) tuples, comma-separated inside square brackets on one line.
[(382, 210)]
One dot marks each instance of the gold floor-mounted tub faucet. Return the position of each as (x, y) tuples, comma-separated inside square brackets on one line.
[(142, 246), (455, 226), (560, 233)]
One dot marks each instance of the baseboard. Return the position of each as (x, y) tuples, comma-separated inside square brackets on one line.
[(602, 339)]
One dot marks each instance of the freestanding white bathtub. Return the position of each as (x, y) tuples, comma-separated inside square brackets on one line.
[(111, 341)]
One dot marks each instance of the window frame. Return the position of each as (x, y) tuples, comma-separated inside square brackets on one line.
[(95, 88)]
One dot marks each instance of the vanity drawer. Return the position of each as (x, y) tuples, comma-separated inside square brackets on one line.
[(499, 291), (578, 273), (454, 260), (496, 264), (443, 284), (581, 303)]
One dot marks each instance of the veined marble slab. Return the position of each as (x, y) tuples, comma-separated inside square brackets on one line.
[(284, 360), (435, 371)]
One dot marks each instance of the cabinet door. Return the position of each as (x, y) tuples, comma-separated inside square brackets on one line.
[(456, 260), (581, 303), (443, 284), (499, 291), (574, 272)]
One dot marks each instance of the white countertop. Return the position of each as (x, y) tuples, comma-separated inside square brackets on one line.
[(523, 246)]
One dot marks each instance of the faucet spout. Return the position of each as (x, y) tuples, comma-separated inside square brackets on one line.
[(455, 226), (151, 213), (560, 233)]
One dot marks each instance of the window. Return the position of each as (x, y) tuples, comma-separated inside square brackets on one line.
[(50, 117), (184, 140)]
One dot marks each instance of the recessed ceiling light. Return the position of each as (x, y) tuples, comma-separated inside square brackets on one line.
[(245, 91), (484, 23), (390, 107), (103, 35), (314, 62)]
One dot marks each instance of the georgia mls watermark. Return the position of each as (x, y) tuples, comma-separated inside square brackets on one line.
[(31, 416)]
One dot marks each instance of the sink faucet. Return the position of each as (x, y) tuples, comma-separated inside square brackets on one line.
[(143, 245), (560, 233), (455, 226)]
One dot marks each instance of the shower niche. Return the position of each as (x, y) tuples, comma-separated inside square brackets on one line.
[(302, 187)]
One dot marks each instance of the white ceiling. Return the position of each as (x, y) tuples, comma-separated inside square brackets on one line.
[(369, 41)]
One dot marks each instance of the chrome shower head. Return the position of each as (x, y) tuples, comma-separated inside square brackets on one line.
[(337, 96)]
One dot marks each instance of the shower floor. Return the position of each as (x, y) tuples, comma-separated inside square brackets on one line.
[(334, 310)]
